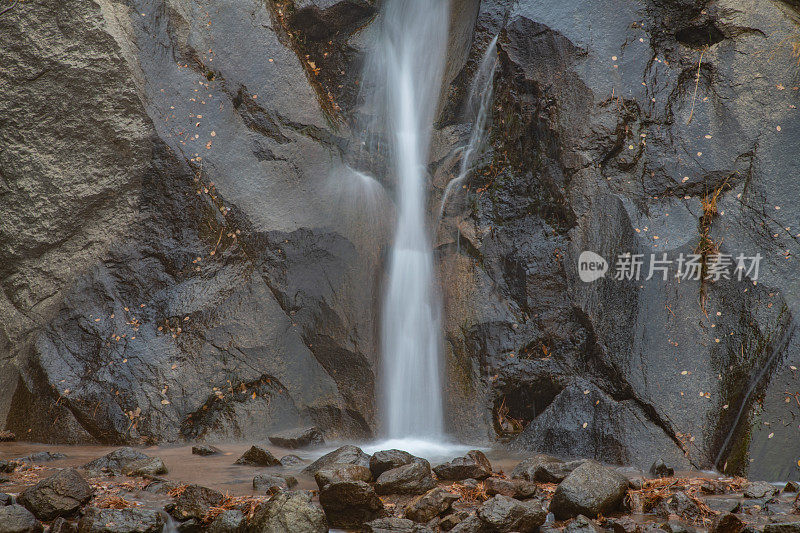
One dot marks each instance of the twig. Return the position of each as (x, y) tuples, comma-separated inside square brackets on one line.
[(696, 84), (9, 8)]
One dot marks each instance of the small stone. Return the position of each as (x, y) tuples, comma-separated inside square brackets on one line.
[(5, 499), (582, 524), (759, 489), (431, 504), (394, 525), (291, 460), (679, 504), (298, 438), (660, 469), (727, 523), (257, 456), (230, 521), (791, 486), (195, 501), (624, 524), (348, 504), (205, 450), (60, 525), (61, 494), (513, 488), (676, 526), (544, 468), (41, 457), (130, 520), (473, 465), (7, 467)]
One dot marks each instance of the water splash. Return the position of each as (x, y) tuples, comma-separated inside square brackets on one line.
[(402, 82), (479, 104)]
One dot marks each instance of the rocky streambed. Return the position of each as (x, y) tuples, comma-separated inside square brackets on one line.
[(240, 488)]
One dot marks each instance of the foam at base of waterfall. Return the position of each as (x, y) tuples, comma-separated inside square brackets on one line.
[(433, 451)]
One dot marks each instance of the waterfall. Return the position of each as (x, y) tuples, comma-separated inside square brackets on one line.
[(403, 79)]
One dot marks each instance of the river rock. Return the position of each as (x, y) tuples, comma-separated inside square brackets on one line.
[(623, 524), (291, 460), (513, 488), (430, 505), (5, 499), (727, 523), (61, 494), (257, 456), (194, 501), (41, 457), (413, 478), (782, 527), (264, 482), (130, 520), (395, 525), (16, 519), (348, 504), (151, 466), (289, 511), (347, 454), (660, 469), (582, 524), (229, 521), (473, 465), (544, 468), (61, 525), (590, 489), (677, 526), (205, 450), (679, 504), (759, 489), (6, 467), (298, 438), (342, 472), (115, 461), (7, 436), (385, 460), (503, 514)]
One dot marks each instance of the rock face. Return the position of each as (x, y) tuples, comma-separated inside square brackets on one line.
[(17, 519), (289, 511), (121, 521), (474, 465), (162, 285), (257, 456), (61, 494), (348, 504), (298, 438), (590, 489)]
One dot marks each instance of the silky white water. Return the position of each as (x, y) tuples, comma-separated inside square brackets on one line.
[(403, 79)]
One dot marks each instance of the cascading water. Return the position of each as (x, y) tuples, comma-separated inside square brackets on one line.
[(404, 77)]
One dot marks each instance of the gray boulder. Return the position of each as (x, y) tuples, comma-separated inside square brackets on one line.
[(61, 494), (413, 478), (504, 514), (759, 489), (257, 456), (473, 465), (194, 502), (151, 466), (727, 523), (544, 468), (229, 521), (268, 482), (298, 438), (582, 524), (348, 504), (590, 489), (290, 460), (289, 511), (430, 505), (16, 519), (347, 454), (342, 472), (130, 520), (115, 461), (385, 460), (513, 488)]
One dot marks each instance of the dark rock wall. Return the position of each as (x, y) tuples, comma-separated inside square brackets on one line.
[(185, 259)]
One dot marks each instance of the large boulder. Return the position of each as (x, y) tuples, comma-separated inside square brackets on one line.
[(513, 488), (504, 514), (413, 478), (61, 494), (194, 501), (590, 489), (130, 520), (347, 454), (205, 450), (544, 468), (298, 438), (430, 505), (348, 504), (339, 472), (228, 521), (151, 466), (385, 460), (289, 511), (17, 519), (257, 456), (473, 465)]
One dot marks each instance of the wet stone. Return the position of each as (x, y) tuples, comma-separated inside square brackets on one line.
[(205, 450), (473, 465), (17, 519), (61, 494), (121, 521), (661, 469), (298, 438), (291, 460), (347, 454), (727, 523), (257, 456), (385, 460), (759, 489), (115, 461), (430, 505)]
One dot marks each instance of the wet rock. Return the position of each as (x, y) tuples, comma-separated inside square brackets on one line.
[(194, 502), (791, 486), (473, 465), (724, 505), (413, 478), (230, 521), (289, 511), (590, 489), (161, 486), (291, 460), (130, 520), (430, 505), (7, 467), (676, 526), (151, 466), (624, 524), (727, 523), (385, 460), (7, 436), (5, 499), (581, 524), (41, 457), (17, 519), (472, 524), (115, 461), (257, 456), (660, 469), (513, 488), (298, 438), (679, 504), (507, 514), (205, 450), (61, 494), (782, 527), (394, 525), (61, 525), (759, 489), (345, 472), (268, 482), (544, 468), (453, 519), (348, 504), (347, 454)]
